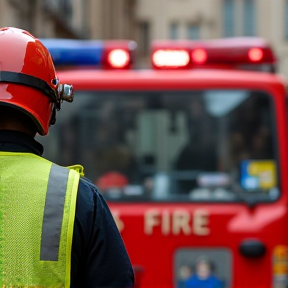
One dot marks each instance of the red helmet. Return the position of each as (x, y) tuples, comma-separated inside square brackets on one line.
[(28, 80)]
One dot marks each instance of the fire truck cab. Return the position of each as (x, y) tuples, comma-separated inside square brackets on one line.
[(191, 155)]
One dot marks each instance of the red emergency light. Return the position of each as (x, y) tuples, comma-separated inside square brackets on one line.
[(118, 58), (255, 54), (118, 54), (199, 56), (107, 54), (246, 52), (171, 58)]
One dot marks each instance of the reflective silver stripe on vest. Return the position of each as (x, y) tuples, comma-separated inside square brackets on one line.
[(53, 213)]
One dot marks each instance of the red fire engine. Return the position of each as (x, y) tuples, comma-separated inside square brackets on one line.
[(191, 155)]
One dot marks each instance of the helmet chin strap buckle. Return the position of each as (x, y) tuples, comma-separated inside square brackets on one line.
[(65, 92)]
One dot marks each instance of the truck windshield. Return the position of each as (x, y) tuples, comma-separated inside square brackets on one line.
[(191, 146)]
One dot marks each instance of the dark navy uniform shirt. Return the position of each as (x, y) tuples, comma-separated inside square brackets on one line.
[(99, 257)]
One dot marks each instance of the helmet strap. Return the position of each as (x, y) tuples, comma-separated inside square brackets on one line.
[(53, 115), (28, 80)]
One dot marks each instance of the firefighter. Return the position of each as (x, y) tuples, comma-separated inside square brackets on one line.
[(55, 228)]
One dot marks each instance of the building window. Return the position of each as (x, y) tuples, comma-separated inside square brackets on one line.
[(286, 19), (239, 18), (229, 18), (67, 8), (174, 31), (144, 38), (63, 8), (249, 18), (193, 31)]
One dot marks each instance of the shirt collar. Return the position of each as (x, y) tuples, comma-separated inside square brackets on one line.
[(15, 141)]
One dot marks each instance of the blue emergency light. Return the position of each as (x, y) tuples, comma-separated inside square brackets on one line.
[(74, 52), (109, 54)]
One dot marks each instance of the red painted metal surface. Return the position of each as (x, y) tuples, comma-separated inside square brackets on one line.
[(152, 250)]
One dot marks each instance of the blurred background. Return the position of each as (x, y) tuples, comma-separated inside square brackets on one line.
[(145, 20)]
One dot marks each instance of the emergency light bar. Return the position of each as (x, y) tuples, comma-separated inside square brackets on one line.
[(109, 54), (230, 52)]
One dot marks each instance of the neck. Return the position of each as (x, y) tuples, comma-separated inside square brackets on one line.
[(18, 128)]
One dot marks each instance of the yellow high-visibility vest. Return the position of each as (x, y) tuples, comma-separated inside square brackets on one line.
[(37, 212)]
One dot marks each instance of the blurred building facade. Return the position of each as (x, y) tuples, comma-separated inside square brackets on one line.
[(100, 19), (145, 20), (43, 18), (206, 19)]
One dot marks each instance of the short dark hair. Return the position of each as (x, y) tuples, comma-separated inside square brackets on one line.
[(16, 118)]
